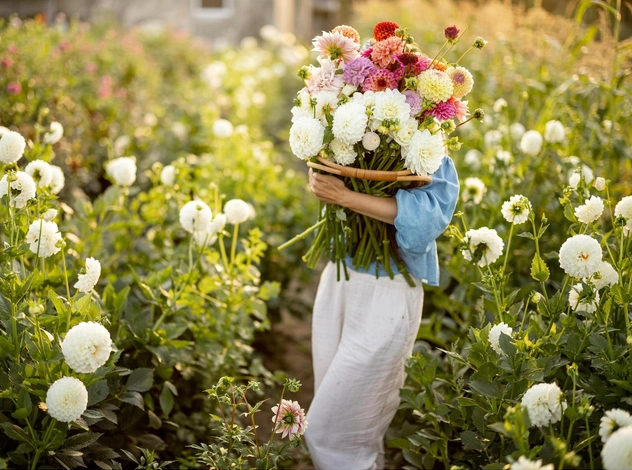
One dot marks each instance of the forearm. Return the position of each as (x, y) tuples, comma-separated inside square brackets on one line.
[(383, 209)]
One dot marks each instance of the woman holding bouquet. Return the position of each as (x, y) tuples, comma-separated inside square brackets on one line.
[(364, 328)]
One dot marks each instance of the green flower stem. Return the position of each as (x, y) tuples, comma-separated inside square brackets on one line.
[(14, 332), (63, 257), (536, 239), (222, 250), (276, 423), (302, 235), (233, 246), (511, 230), (39, 450), (589, 438)]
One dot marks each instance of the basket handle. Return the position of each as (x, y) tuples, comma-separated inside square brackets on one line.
[(373, 175)]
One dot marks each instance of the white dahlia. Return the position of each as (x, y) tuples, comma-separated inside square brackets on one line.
[(424, 153), (494, 336), (524, 463), (554, 131), (406, 131), (473, 189), (55, 134), (205, 238), (503, 156), (218, 223), (222, 129), (370, 141), (122, 171), (574, 179), (306, 137), (617, 452), (590, 211), (59, 180), (88, 280), (67, 399), (41, 172), (624, 209), (391, 105), (44, 238), (531, 142), (612, 420), (499, 104), (517, 130), (605, 275), (580, 256), (12, 147), (599, 184), (462, 80), (473, 159), (86, 347), (195, 216), (482, 245), (49, 215), (22, 188), (168, 175), (343, 154), (582, 304), (493, 138), (236, 211), (435, 86), (516, 210), (350, 121), (545, 404)]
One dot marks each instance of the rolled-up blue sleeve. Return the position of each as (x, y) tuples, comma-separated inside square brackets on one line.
[(424, 213)]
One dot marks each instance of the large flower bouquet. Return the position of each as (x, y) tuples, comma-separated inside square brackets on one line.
[(381, 106)]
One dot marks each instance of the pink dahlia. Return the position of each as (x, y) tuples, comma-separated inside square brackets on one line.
[(289, 419), (414, 101), (380, 80), (385, 52), (443, 111), (14, 88), (367, 52), (7, 62), (357, 70), (336, 46), (325, 78), (451, 32), (461, 109)]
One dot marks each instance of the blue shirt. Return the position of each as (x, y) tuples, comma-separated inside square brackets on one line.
[(423, 214)]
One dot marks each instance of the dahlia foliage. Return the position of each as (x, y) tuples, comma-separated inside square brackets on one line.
[(382, 105)]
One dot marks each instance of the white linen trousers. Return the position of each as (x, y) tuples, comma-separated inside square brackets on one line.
[(363, 331)]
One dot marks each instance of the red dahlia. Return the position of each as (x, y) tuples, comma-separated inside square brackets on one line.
[(384, 30)]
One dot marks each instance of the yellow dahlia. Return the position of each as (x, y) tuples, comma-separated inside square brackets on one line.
[(462, 79), (347, 31), (435, 86)]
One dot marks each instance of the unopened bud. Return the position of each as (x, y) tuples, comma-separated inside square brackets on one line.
[(479, 114), (479, 43)]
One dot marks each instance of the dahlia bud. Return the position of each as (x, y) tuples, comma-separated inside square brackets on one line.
[(304, 72), (382, 130), (479, 43), (448, 126), (451, 32), (411, 83), (11, 177), (479, 114), (454, 144)]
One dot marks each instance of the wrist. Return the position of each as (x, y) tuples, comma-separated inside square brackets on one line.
[(345, 197)]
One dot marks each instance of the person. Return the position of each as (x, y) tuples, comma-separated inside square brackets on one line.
[(364, 328)]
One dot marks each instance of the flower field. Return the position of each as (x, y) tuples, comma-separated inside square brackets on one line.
[(147, 181)]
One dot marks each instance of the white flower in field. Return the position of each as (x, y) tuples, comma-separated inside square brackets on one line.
[(343, 154), (499, 105), (86, 347), (493, 138), (168, 175), (617, 451), (306, 137), (588, 174), (517, 130), (607, 125), (599, 184), (424, 153), (222, 128), (195, 216), (473, 189), (613, 419), (22, 188), (4, 130), (67, 399), (55, 134), (88, 280), (120, 144), (236, 211), (370, 141), (253, 213), (624, 209), (205, 238), (605, 275), (350, 121), (579, 304), (554, 132), (179, 129), (524, 463), (289, 419), (217, 224), (580, 256), (545, 404), (473, 159), (44, 238), (122, 171), (405, 133), (482, 245), (572, 160), (590, 211), (494, 336), (59, 180), (574, 180), (49, 215), (516, 210), (391, 105), (41, 172), (503, 156), (12, 147), (531, 142)]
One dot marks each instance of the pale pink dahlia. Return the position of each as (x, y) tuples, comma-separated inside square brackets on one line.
[(357, 70), (289, 419), (414, 101), (460, 108), (385, 52), (336, 46), (325, 78), (380, 80), (443, 111)]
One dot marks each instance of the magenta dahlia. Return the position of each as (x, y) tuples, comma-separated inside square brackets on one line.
[(443, 110), (380, 80)]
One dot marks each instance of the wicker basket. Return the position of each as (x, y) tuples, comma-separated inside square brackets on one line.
[(373, 175)]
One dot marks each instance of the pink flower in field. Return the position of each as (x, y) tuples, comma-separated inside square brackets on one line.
[(14, 88), (105, 91), (443, 111), (461, 109), (289, 419), (7, 62), (12, 49), (385, 52), (91, 67), (380, 80), (121, 93), (64, 46)]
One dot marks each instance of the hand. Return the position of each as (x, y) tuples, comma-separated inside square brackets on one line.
[(327, 188)]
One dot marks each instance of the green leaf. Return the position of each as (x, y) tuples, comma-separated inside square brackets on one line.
[(140, 380), (166, 400), (472, 441), (399, 443), (80, 441), (486, 388), (133, 398), (97, 392), (15, 432), (539, 270)]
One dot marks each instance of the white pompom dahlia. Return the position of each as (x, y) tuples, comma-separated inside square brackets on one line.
[(554, 131), (12, 147), (580, 256), (86, 347), (371, 141), (605, 275), (168, 175), (350, 121), (122, 171), (306, 137), (617, 452), (44, 238), (236, 211), (424, 153), (531, 142), (524, 463), (517, 209), (67, 399), (612, 420), (624, 209), (59, 180), (88, 280), (473, 189), (55, 134), (343, 154), (581, 303), (590, 211), (545, 404), (222, 129), (482, 245), (41, 172), (22, 188), (195, 216), (494, 336)]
